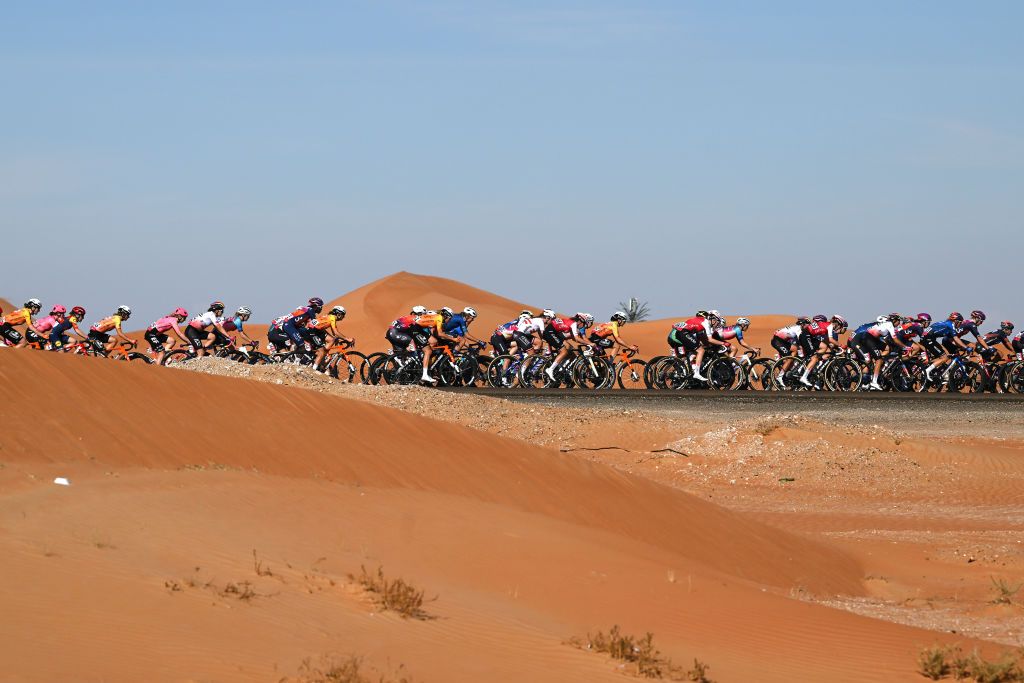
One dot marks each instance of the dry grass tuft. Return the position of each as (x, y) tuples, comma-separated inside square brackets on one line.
[(939, 662), (257, 565), (342, 670), (647, 661), (1004, 592), (395, 595)]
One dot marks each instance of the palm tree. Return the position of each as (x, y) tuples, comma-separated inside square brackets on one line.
[(634, 310)]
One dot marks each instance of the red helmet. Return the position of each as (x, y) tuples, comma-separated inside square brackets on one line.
[(956, 317), (924, 318), (58, 310), (1006, 325), (78, 312), (180, 312)]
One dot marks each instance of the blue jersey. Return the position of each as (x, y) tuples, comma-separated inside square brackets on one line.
[(863, 328), (456, 326), (943, 328)]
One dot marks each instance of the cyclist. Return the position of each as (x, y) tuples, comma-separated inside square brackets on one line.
[(293, 325), (1018, 344), (909, 331), (206, 329), (735, 331), (431, 325), (458, 326), (561, 330), (156, 334), (508, 339), (606, 335), (39, 331), (19, 316), (819, 337), (58, 335), (941, 339), (323, 326), (1000, 337), (400, 331), (879, 339), (971, 326), (534, 327), (236, 323), (100, 332)]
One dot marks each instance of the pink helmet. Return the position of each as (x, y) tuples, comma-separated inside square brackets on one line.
[(180, 312), (58, 310)]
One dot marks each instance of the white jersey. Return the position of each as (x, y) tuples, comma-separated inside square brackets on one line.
[(531, 325), (205, 320), (791, 332)]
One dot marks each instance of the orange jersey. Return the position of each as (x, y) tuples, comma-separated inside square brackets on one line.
[(323, 322), (605, 330), (430, 322), (108, 324), (18, 316)]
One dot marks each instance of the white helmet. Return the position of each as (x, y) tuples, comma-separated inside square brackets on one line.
[(338, 310), (244, 310), (470, 311), (431, 312), (447, 310), (124, 311), (418, 310), (586, 318), (526, 312), (619, 316), (34, 303), (743, 322), (882, 319), (547, 313), (715, 313)]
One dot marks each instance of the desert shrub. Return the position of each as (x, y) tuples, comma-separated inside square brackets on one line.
[(1004, 592), (931, 662), (647, 661), (396, 595)]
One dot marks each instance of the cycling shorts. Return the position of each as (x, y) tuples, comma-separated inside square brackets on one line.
[(156, 339), (101, 337), (554, 338), (399, 339), (782, 346)]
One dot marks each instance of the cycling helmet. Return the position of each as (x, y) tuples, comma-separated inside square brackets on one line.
[(418, 310), (244, 310), (715, 313), (445, 310), (703, 314), (956, 317), (316, 301), (431, 312), (547, 313), (803, 320), (58, 310), (840, 320), (585, 318), (1006, 325), (924, 318), (217, 306), (882, 319), (469, 311), (124, 311), (618, 316), (978, 315), (338, 310), (78, 312), (180, 313), (820, 318), (743, 322), (895, 317), (34, 303), (526, 312)]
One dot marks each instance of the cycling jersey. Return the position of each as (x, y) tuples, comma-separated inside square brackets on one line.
[(997, 337), (605, 330), (45, 324), (323, 322), (57, 334), (404, 323), (300, 315), (233, 324), (820, 329), (166, 323), (531, 325), (695, 324), (907, 331), (17, 317), (788, 333), (508, 329), (278, 322), (430, 322), (882, 331), (943, 328), (456, 326), (567, 326), (107, 324), (969, 327), (731, 332), (201, 322)]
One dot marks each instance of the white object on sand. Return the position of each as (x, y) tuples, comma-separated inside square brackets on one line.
[(62, 481)]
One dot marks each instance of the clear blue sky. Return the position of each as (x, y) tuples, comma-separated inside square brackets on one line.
[(746, 156)]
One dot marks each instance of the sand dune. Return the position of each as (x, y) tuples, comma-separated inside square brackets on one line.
[(525, 547)]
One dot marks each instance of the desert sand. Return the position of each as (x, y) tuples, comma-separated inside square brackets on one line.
[(212, 523)]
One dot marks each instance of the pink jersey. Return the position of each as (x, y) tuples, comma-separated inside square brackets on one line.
[(44, 324), (165, 323)]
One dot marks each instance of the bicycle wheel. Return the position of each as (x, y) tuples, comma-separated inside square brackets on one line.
[(649, 370), (403, 370), (592, 373), (1014, 381), (531, 372), (467, 370), (347, 367), (906, 375), (724, 374), (843, 374), (759, 375), (502, 371), (675, 373), (177, 357), (630, 374), (785, 375), (138, 356)]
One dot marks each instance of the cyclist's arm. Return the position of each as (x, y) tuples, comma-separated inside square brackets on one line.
[(118, 334), (618, 340)]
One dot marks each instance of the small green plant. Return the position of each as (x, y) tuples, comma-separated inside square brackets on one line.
[(1004, 592), (396, 595), (931, 662)]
